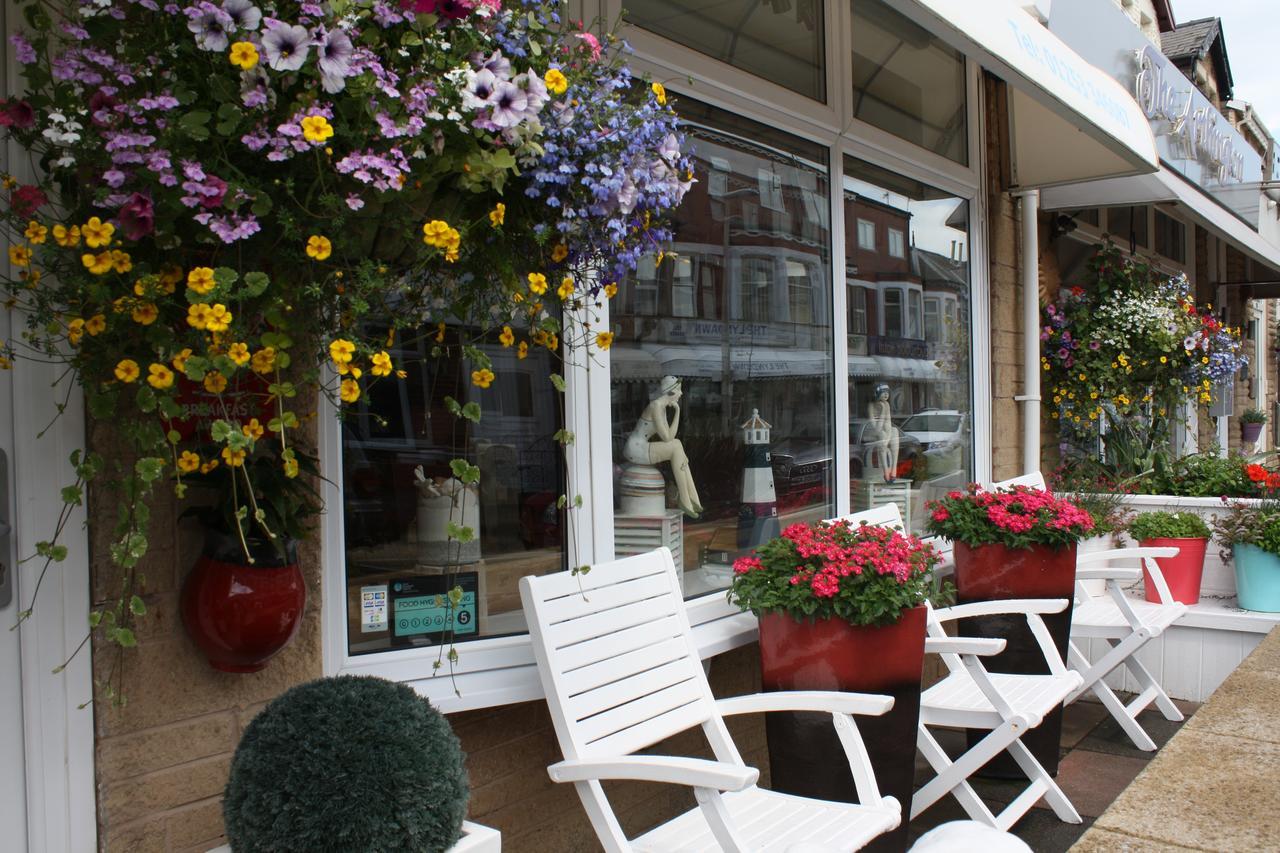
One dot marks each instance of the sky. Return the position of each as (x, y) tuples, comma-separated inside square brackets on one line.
[(1252, 31)]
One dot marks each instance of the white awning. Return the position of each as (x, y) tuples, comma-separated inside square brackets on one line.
[(907, 368), (863, 367), (745, 363), (1168, 187), (633, 364), (1068, 120)]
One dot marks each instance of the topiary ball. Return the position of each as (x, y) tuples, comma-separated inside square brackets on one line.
[(352, 764)]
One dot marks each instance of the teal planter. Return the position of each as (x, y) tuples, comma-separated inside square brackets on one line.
[(1257, 578)]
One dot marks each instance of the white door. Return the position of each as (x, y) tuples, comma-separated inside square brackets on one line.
[(13, 798)]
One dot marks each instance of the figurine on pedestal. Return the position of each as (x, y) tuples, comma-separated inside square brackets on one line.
[(758, 514), (881, 435), (441, 501), (653, 440)]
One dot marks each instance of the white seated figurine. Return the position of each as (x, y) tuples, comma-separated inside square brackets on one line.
[(881, 435), (653, 440)]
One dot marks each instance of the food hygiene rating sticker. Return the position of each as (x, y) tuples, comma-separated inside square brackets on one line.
[(420, 608)]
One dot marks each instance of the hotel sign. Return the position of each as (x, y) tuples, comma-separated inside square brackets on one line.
[(1194, 139)]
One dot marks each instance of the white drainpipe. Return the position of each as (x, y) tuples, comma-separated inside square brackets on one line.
[(1030, 397)]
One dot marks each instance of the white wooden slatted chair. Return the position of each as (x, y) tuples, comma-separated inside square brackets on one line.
[(1007, 705), (621, 672), (1123, 623)]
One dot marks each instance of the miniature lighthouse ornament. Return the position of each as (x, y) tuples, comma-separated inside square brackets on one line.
[(758, 515)]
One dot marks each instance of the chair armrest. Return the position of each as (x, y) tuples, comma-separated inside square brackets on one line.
[(963, 646), (674, 770), (806, 700), (1001, 607), (1109, 573), (1124, 553)]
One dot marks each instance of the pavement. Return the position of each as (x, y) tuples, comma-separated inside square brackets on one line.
[(1098, 762)]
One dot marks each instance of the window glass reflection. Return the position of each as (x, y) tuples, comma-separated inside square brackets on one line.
[(909, 373)]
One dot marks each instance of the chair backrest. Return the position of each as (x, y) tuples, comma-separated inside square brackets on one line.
[(887, 515), (1035, 480), (617, 659)]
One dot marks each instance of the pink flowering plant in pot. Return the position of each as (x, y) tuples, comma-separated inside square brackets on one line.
[(864, 575), (1018, 517), (232, 206)]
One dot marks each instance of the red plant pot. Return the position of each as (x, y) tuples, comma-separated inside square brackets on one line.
[(994, 572), (1183, 573), (241, 615), (805, 754)]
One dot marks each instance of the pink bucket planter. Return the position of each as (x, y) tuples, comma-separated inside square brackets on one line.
[(1183, 573)]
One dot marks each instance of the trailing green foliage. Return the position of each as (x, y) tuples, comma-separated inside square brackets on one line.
[(1168, 525)]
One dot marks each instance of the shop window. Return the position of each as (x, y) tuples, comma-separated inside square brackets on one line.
[(399, 495), (866, 235), (703, 491), (910, 389), (1129, 225), (908, 82), (897, 245), (1171, 238), (782, 42)]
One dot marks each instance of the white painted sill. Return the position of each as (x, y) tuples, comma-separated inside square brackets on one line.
[(475, 839)]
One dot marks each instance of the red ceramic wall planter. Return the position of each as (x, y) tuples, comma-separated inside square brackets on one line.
[(1183, 573), (805, 755), (241, 615)]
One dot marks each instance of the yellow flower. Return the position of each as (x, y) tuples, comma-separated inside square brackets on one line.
[(611, 290), (380, 364), (660, 92), (553, 342), (75, 330), (121, 261), (215, 382), (95, 325), (201, 280), (1204, 360), (170, 275), (233, 458), (264, 360), (97, 264), (319, 248), (97, 234), (188, 462), (127, 370), (537, 283), (253, 429), (239, 353), (316, 129), (160, 376), (566, 288), (180, 360), (349, 391), (244, 55), (66, 237), (439, 235), (556, 82), (341, 351), (482, 378), (219, 318), (208, 466), (145, 313), (36, 233), (604, 340), (291, 468), (439, 333), (1164, 360), (523, 350), (559, 252), (19, 256), (507, 338), (402, 374), (498, 215)]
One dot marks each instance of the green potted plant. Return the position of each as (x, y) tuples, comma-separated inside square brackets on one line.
[(1251, 421), (840, 608), (1185, 531), (346, 763), (1252, 533)]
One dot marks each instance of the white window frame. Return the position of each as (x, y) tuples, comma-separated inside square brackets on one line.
[(899, 240), (866, 235), (500, 670)]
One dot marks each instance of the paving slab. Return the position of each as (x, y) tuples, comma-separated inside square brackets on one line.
[(1106, 841), (1244, 706), (1079, 720), (1044, 833), (1265, 658), (1107, 736), (1093, 780), (1207, 791)]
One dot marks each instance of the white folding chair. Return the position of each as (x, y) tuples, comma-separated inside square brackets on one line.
[(1009, 705), (1124, 623), (621, 672)]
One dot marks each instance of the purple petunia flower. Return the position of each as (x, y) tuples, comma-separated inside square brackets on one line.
[(137, 217), (335, 51), (245, 15), (509, 105), (26, 54), (286, 47), (210, 25)]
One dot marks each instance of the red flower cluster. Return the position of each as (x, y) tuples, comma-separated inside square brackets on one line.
[(1261, 477), (1014, 516)]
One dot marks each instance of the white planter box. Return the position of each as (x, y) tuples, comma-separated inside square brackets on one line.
[(475, 839)]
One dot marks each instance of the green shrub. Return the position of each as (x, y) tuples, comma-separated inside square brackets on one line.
[(1168, 525), (350, 764), (1253, 416), (1200, 475)]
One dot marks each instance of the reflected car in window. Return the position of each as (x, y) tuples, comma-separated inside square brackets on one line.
[(943, 435)]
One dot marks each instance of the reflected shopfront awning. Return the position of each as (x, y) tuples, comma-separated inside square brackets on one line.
[(1068, 121), (695, 361), (917, 369)]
